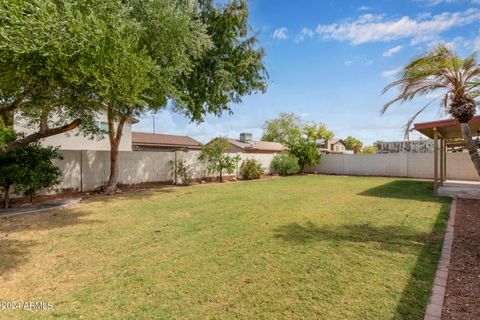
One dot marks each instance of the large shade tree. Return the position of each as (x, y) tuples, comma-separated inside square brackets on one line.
[(455, 80), (155, 43), (201, 59), (62, 61)]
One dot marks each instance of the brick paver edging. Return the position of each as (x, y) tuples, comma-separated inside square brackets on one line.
[(434, 308)]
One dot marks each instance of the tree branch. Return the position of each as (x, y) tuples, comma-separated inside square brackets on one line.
[(15, 104), (40, 135)]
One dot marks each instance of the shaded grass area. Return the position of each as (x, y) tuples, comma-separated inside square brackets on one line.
[(317, 247)]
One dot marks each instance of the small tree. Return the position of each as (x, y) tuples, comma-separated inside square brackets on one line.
[(28, 169), (353, 144), (183, 170), (305, 150), (217, 160)]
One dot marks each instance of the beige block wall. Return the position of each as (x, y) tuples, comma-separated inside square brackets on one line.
[(411, 165), (460, 167), (88, 170)]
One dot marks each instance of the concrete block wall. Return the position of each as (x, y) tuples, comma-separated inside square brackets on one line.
[(409, 165), (88, 170)]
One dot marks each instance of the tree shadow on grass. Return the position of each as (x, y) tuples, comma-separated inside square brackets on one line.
[(129, 195), (404, 189), (392, 238), (389, 238), (15, 252)]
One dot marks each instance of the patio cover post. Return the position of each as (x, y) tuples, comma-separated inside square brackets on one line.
[(435, 160), (445, 149), (442, 163)]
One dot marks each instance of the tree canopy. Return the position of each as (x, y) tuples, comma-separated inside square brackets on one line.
[(214, 62), (289, 126), (47, 49), (61, 61), (353, 144)]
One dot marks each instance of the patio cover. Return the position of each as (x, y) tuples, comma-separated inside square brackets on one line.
[(447, 129), (440, 131)]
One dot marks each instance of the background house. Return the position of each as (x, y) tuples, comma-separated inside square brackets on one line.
[(142, 141), (417, 146), (327, 146), (74, 140), (247, 145)]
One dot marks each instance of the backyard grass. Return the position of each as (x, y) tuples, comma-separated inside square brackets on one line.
[(317, 247)]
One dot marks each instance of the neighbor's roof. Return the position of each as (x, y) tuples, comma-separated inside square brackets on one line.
[(333, 141), (258, 145), (449, 128), (163, 140)]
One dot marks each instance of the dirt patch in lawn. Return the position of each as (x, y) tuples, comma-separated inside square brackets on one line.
[(463, 287)]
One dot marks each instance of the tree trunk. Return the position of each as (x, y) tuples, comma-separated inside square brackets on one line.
[(112, 180), (471, 146), (221, 178), (6, 202), (115, 136)]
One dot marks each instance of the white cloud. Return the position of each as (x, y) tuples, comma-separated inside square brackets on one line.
[(455, 43), (371, 28), (390, 52), (431, 3), (359, 61), (280, 33), (305, 33), (364, 8), (391, 73)]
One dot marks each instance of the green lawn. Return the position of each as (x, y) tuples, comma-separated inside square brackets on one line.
[(317, 247)]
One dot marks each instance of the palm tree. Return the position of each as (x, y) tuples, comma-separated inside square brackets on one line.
[(456, 80)]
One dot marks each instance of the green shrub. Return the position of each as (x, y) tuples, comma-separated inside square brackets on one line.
[(251, 169), (285, 164), (28, 170), (183, 170)]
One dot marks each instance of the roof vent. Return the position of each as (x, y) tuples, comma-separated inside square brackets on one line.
[(245, 137)]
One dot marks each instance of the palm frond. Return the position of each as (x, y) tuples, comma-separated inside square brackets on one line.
[(410, 121)]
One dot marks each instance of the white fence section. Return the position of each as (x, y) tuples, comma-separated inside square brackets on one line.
[(88, 170), (409, 165)]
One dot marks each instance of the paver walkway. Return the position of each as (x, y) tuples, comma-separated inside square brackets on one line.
[(39, 207)]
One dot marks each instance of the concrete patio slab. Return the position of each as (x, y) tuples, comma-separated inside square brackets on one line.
[(460, 189)]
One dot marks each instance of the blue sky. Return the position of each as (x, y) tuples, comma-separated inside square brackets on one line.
[(329, 60)]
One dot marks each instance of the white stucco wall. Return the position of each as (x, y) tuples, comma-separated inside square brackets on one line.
[(74, 141)]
